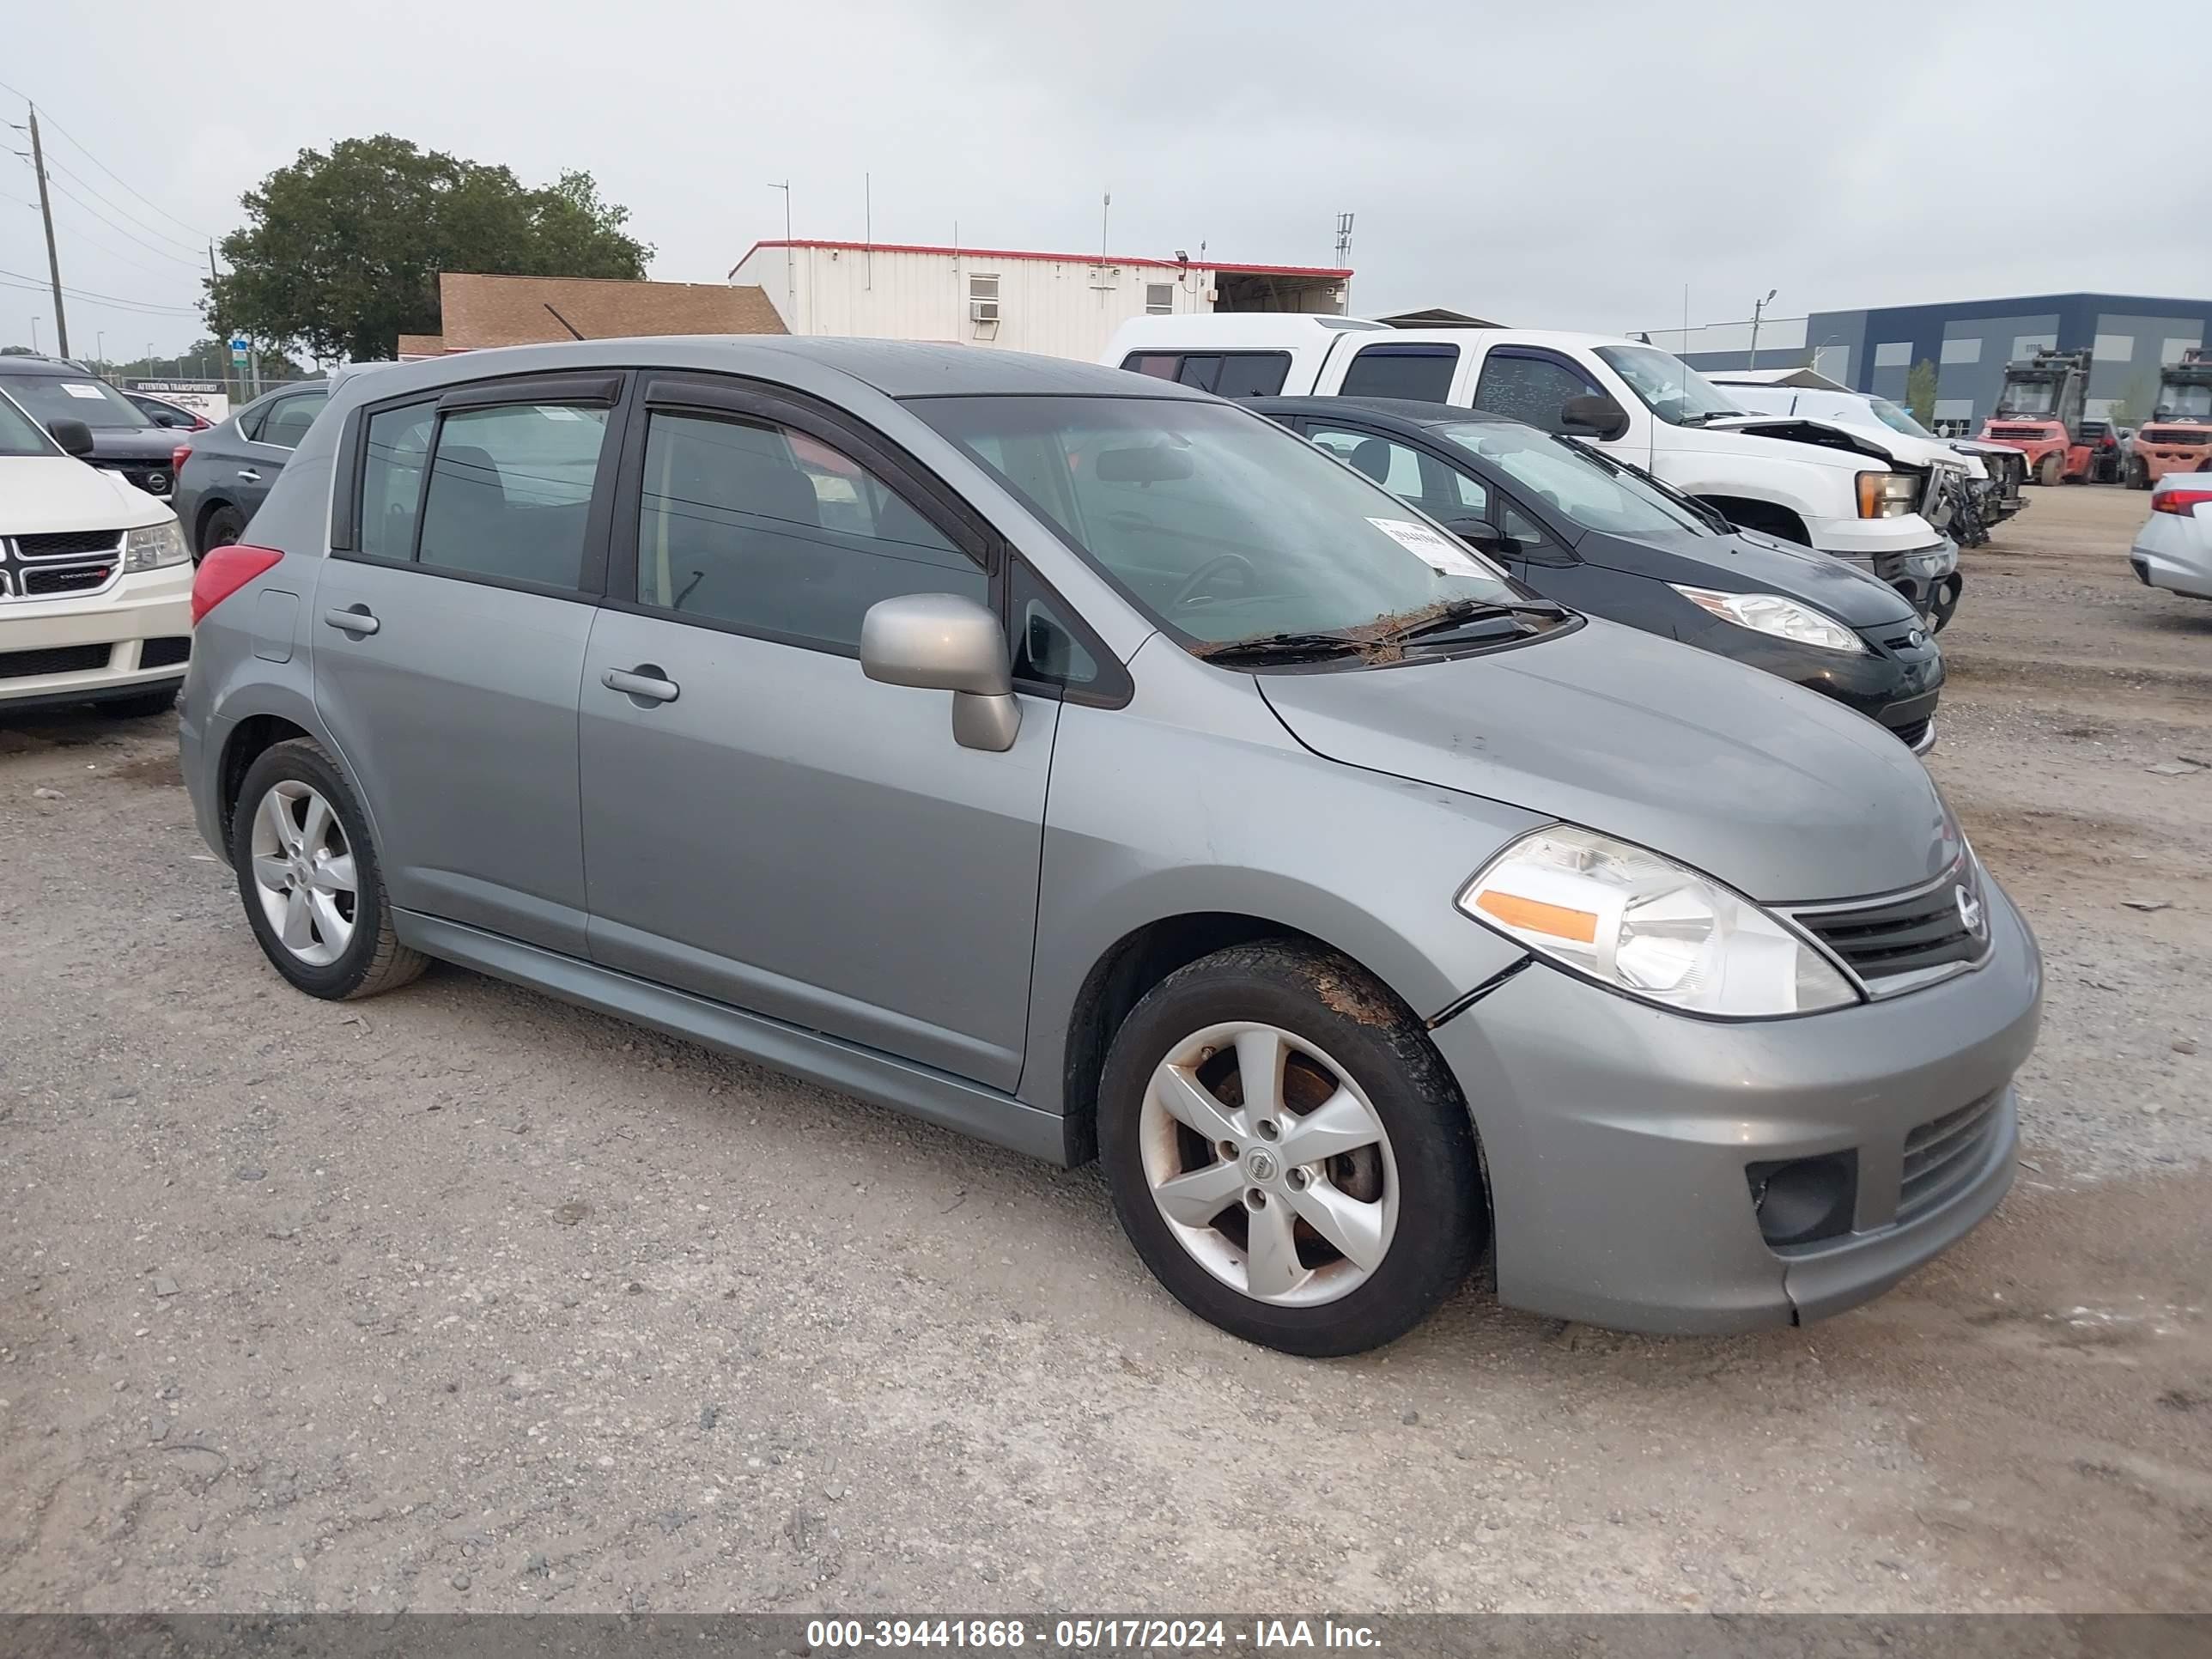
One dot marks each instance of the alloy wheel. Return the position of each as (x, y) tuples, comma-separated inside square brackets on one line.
[(303, 872), (1269, 1164)]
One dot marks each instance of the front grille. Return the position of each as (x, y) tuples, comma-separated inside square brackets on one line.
[(1910, 735), (1940, 1156), (65, 579), (159, 653), (2016, 431), (56, 659), (2178, 436), (61, 543), (1894, 944), (154, 480)]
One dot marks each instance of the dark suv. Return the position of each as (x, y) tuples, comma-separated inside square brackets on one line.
[(124, 439)]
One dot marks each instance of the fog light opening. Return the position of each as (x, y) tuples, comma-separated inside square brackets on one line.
[(1801, 1200)]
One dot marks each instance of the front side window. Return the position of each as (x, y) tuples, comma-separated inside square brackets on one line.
[(1219, 525), (20, 434), (289, 418), (1667, 385), (1421, 372), (51, 398), (398, 443), (1526, 386), (510, 488), (772, 530), (1583, 488)]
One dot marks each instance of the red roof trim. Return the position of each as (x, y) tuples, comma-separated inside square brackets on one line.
[(1061, 259)]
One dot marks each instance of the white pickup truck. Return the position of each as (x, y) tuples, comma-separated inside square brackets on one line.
[(1840, 489)]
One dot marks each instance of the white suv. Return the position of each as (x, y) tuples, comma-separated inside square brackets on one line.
[(96, 585)]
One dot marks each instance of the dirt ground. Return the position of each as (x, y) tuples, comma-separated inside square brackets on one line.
[(463, 1299)]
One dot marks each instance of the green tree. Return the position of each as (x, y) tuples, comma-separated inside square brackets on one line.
[(341, 252), (1920, 392), (2133, 407)]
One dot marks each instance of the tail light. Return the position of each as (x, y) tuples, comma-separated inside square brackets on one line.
[(224, 571), (2181, 503), (178, 457)]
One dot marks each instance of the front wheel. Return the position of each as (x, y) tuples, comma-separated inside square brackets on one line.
[(2049, 471), (2138, 476), (1287, 1152)]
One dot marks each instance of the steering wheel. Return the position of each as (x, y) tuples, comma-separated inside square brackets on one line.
[(1199, 578)]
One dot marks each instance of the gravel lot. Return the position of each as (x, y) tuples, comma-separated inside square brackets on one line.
[(462, 1299)]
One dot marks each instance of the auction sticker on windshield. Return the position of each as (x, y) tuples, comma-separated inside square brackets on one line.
[(76, 390), (1444, 555)]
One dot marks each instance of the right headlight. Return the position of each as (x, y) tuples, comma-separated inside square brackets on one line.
[(1769, 613), (1649, 928)]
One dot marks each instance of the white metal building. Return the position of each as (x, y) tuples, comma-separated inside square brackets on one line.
[(1062, 305)]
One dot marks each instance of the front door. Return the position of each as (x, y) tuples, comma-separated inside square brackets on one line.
[(449, 641), (763, 824)]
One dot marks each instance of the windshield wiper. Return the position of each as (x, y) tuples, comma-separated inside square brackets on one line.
[(1280, 647), (1458, 613), (1704, 415)]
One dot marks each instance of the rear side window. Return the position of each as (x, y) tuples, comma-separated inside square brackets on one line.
[(1226, 373), (772, 531), (289, 418), (510, 488), (1423, 373), (392, 480), (1525, 386)]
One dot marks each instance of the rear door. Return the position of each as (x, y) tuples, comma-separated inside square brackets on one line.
[(450, 638), (763, 824)]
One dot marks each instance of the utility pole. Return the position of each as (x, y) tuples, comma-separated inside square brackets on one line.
[(1757, 306), (47, 213), (790, 257)]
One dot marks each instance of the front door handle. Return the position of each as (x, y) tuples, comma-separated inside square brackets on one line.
[(249, 475), (357, 621), (644, 684)]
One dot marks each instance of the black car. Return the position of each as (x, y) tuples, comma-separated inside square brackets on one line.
[(124, 439), (227, 472), (1613, 542)]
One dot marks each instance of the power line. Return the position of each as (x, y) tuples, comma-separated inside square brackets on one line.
[(117, 229), (107, 299), (203, 235), (141, 223), (116, 254)]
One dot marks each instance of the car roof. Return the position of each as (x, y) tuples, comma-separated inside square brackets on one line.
[(1406, 410), (897, 369), (17, 362)]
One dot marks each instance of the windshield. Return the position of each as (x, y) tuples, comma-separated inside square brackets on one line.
[(1220, 525), (1897, 418), (1591, 491), (2026, 398), (74, 397), (2185, 403), (20, 434), (1669, 387)]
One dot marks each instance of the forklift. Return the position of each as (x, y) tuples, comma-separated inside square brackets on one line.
[(2039, 413), (2178, 437)]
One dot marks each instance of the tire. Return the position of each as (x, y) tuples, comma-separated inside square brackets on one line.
[(2049, 471), (2138, 476), (345, 946), (1411, 1195), (140, 706), (223, 527)]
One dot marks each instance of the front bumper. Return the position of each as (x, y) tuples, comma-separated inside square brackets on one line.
[(1896, 683), (139, 609), (1616, 1137)]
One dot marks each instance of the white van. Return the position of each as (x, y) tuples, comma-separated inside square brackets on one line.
[(1996, 472), (1840, 489)]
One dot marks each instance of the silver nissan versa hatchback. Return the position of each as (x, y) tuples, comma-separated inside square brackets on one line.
[(1091, 765)]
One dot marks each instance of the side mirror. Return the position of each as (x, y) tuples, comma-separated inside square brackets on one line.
[(942, 643), (74, 436), (1593, 416), (1482, 534)]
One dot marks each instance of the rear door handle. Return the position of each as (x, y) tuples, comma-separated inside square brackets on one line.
[(249, 475), (644, 682), (356, 621)]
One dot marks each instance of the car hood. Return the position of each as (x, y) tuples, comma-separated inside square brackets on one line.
[(135, 443), (42, 493), (1748, 562), (1781, 793)]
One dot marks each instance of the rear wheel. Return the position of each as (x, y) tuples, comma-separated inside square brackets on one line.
[(223, 527), (1287, 1153), (2138, 475), (2049, 471), (309, 876)]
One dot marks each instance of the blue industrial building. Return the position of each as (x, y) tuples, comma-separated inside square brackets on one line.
[(1969, 341)]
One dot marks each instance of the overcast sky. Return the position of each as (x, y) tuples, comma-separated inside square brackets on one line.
[(1563, 165)]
